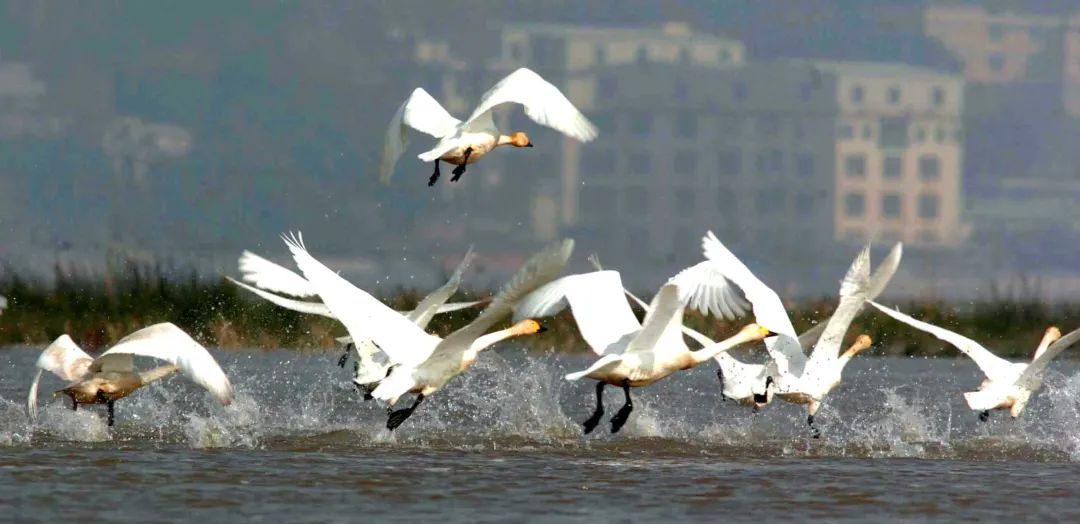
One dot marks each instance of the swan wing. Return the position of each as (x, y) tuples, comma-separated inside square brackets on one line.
[(429, 306), (300, 306), (63, 358), (1040, 362), (267, 275), (596, 300), (853, 291), (879, 280), (450, 307), (543, 103), (768, 309), (420, 112), (171, 344), (662, 327), (990, 364), (364, 316), (604, 362), (542, 268), (705, 288)]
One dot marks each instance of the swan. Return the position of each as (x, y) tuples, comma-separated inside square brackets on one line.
[(462, 143), (1008, 385), (112, 375), (632, 354), (423, 363), (791, 379), (371, 364), (3, 304)]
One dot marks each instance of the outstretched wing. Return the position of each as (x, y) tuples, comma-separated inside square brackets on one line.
[(63, 358), (167, 342), (420, 112), (704, 288), (879, 280), (853, 291), (364, 316), (768, 309), (267, 275), (300, 306), (595, 299), (662, 326), (543, 103), (429, 306), (1040, 362), (990, 364), (542, 268)]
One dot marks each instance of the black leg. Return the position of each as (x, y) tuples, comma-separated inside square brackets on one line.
[(764, 397), (395, 418), (984, 415), (624, 412), (366, 389), (460, 170), (720, 375), (74, 404), (345, 357), (814, 430), (434, 176), (112, 412), (595, 418)]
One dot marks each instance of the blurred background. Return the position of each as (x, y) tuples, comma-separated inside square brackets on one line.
[(796, 130)]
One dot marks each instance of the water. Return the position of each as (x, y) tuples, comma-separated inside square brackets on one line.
[(502, 442)]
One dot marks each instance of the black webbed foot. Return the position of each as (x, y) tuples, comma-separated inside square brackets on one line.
[(395, 418), (814, 432), (624, 412), (720, 376), (345, 356), (594, 420), (984, 415), (460, 170), (434, 176)]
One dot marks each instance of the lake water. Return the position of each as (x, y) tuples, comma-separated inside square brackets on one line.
[(502, 442)]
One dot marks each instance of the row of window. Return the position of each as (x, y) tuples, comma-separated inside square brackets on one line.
[(895, 95), (919, 134), (600, 161), (599, 203), (893, 166), (891, 206), (926, 236)]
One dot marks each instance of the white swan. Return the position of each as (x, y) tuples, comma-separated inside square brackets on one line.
[(371, 364), (632, 354), (788, 359), (1008, 385), (462, 143), (422, 363), (112, 375)]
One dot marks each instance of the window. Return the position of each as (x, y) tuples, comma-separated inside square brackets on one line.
[(938, 96), (804, 164), (640, 163), (890, 205), (939, 135), (997, 33), (920, 134), (517, 52), (603, 121), (776, 161), (761, 162), (729, 162), (601, 55), (642, 56), (598, 161), (769, 125), (681, 91), (929, 167), (997, 62), (804, 204), (597, 203), (684, 55), (893, 166), (605, 86), (686, 199), (725, 55), (806, 91), (867, 132), (686, 125), (854, 205), (686, 162), (894, 95), (856, 94), (894, 132), (928, 206), (739, 91), (636, 199), (929, 237), (641, 124), (763, 201), (855, 166)]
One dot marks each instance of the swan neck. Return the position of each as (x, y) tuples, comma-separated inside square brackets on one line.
[(483, 342), (711, 351), (504, 140)]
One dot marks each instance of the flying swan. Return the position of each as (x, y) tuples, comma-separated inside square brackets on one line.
[(632, 354), (1008, 385), (422, 363), (112, 375), (462, 143), (371, 363)]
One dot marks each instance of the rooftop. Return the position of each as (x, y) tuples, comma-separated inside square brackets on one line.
[(669, 30)]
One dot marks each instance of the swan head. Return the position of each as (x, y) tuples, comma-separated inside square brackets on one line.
[(520, 139), (861, 342), (527, 327), (755, 332), (1052, 335)]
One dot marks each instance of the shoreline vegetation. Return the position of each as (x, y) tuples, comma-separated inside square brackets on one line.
[(99, 309)]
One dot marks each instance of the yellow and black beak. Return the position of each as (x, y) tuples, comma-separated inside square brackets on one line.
[(770, 333), (530, 144), (541, 329)]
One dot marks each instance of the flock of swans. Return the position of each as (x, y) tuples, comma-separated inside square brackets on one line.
[(395, 355)]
